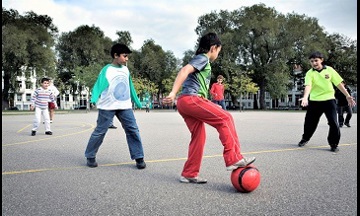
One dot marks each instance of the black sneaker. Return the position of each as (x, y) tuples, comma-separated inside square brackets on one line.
[(48, 133), (91, 162), (140, 163), (347, 125), (33, 133), (302, 142), (112, 127), (334, 149)]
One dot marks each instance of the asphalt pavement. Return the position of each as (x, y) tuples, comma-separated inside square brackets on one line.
[(47, 175)]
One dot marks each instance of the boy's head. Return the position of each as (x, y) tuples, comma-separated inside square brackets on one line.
[(316, 60), (118, 49), (220, 78), (44, 79), (210, 42), (45, 82), (316, 54)]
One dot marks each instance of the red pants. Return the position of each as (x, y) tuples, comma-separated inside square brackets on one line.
[(197, 111)]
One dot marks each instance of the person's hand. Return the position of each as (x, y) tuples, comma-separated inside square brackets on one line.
[(304, 102), (351, 101), (169, 99)]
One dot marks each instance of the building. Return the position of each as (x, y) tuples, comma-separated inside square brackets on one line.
[(66, 101)]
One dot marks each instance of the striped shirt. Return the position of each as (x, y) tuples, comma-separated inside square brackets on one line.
[(42, 97)]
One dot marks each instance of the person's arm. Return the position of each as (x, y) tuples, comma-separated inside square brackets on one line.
[(305, 99), (349, 98), (180, 78), (56, 91), (33, 100)]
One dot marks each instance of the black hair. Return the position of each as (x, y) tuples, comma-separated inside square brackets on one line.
[(316, 54), (119, 49), (207, 41), (44, 79)]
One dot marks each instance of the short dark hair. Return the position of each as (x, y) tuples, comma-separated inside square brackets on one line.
[(220, 77), (316, 54), (119, 49), (206, 41), (44, 79)]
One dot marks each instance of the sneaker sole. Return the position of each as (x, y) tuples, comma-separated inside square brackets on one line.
[(186, 181), (232, 167)]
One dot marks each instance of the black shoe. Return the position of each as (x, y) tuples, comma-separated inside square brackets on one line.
[(91, 162), (334, 149), (347, 125), (302, 142), (48, 133), (112, 126), (140, 163), (33, 133)]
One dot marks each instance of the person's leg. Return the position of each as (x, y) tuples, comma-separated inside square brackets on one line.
[(36, 121), (97, 136), (222, 103), (340, 110), (348, 111), (128, 123), (192, 165), (312, 117), (334, 131), (45, 114), (51, 111), (205, 111)]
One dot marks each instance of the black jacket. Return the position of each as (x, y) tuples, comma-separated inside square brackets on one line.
[(341, 98)]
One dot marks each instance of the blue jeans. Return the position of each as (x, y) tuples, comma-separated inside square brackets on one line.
[(221, 103), (128, 123)]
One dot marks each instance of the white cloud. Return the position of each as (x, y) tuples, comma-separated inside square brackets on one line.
[(171, 24)]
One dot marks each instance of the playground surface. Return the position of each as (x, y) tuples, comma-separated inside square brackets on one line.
[(47, 175)]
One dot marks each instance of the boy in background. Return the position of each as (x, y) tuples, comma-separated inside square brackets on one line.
[(40, 99)]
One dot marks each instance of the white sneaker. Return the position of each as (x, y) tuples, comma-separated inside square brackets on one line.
[(196, 180), (241, 163)]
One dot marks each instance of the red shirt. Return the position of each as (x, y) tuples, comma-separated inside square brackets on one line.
[(217, 91)]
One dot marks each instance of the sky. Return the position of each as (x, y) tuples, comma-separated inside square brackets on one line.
[(171, 23)]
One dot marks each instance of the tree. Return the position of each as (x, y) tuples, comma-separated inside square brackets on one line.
[(82, 53), (27, 49), (342, 56)]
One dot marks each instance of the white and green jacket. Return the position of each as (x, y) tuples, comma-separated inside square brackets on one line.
[(114, 89)]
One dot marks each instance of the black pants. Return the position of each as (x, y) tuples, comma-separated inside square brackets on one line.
[(314, 111), (341, 110)]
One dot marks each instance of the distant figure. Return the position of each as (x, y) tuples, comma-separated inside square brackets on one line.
[(40, 102), (52, 105), (217, 92), (147, 107), (343, 106)]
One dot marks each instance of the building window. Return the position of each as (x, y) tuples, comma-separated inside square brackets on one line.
[(67, 97), (19, 84), (18, 97), (28, 85), (28, 97)]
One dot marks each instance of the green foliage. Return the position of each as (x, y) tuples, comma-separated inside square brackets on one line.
[(27, 45), (260, 48)]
